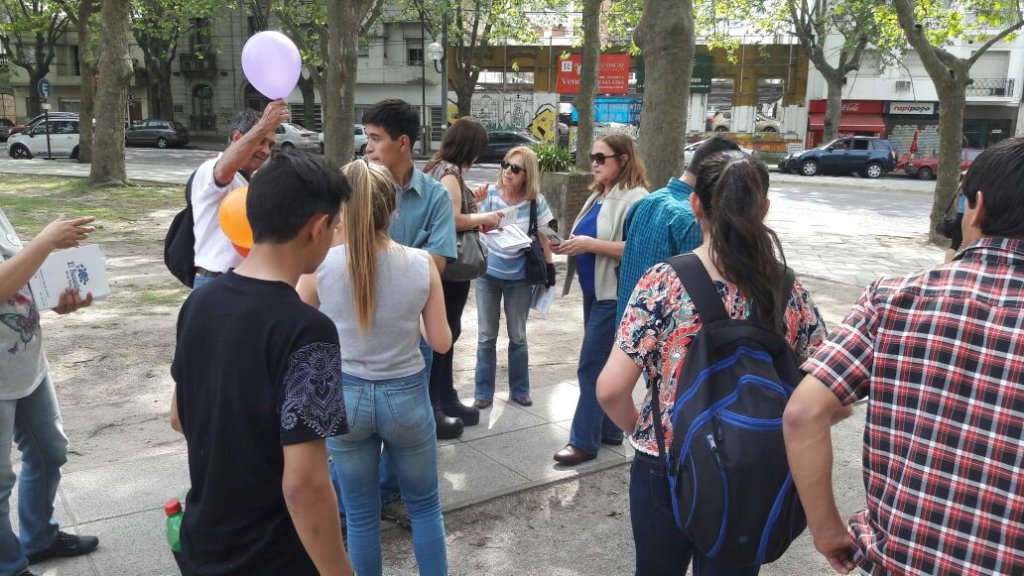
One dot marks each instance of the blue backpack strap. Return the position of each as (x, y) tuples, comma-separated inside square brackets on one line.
[(709, 306)]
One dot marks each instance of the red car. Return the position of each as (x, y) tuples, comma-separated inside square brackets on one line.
[(927, 168)]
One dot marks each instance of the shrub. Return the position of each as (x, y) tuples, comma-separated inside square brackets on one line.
[(552, 158)]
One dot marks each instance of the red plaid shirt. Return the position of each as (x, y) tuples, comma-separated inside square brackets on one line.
[(940, 355)]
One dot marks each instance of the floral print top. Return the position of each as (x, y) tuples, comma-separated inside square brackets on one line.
[(660, 322)]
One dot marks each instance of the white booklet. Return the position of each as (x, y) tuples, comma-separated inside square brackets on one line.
[(541, 299), (507, 238), (83, 268)]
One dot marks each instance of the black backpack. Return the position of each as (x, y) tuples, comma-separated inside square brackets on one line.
[(180, 242), (732, 490)]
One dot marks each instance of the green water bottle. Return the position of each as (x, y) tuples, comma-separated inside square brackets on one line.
[(174, 515)]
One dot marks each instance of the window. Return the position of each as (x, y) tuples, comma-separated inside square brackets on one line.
[(200, 35), (414, 56), (67, 61), (860, 144), (363, 48), (69, 105), (202, 108)]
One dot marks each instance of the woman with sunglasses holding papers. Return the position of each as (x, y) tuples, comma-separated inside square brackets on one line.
[(516, 190), (593, 251)]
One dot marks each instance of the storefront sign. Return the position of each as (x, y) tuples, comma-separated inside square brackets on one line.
[(849, 106), (914, 108), (612, 74)]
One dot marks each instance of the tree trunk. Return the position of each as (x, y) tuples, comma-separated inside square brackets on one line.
[(588, 82), (87, 62), (108, 165), (161, 97), (464, 92), (343, 20), (308, 90), (34, 103), (953, 95), (834, 108), (668, 39)]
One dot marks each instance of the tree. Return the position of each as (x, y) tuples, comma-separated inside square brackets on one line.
[(666, 36), (929, 25), (30, 35), (108, 166), (157, 25), (591, 57), (306, 25), (83, 17)]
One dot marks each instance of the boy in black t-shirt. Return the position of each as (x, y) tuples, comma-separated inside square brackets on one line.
[(258, 388)]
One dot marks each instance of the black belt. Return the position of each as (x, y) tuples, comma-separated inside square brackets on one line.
[(206, 273)]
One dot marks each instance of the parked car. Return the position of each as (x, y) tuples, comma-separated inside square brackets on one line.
[(159, 133), (499, 143), (358, 145), (5, 128), (18, 128), (721, 121), (928, 168), (691, 148), (32, 142), (294, 136), (868, 156)]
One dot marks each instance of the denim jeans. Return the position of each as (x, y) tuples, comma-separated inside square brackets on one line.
[(388, 478), (661, 549), (517, 294), (397, 415), (590, 425), (201, 281), (34, 423)]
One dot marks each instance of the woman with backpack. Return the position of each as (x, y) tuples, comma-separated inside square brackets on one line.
[(744, 260), (463, 143), (593, 252), (378, 293)]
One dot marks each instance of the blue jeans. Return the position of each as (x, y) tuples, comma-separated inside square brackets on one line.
[(517, 294), (388, 479), (590, 425), (33, 422), (201, 281), (661, 549), (397, 415)]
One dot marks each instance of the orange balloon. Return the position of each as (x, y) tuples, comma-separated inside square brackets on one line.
[(233, 220), (244, 252)]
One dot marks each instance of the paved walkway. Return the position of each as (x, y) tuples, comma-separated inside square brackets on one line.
[(511, 449)]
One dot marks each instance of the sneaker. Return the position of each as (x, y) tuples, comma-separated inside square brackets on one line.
[(396, 512), (65, 546)]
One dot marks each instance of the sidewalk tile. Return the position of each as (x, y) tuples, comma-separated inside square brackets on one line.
[(468, 475), (500, 418), (530, 451), (132, 545), (126, 487)]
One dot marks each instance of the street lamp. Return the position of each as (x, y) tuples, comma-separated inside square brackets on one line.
[(436, 53)]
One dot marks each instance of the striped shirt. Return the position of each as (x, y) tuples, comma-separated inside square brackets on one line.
[(511, 264), (657, 227), (940, 356)]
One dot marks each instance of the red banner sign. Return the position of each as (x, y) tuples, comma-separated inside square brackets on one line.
[(612, 75), (850, 106)]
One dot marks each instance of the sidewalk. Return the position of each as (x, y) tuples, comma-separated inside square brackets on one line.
[(511, 449)]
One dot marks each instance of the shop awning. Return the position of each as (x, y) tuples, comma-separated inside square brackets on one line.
[(850, 122)]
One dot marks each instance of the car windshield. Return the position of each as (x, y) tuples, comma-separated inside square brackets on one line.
[(296, 128)]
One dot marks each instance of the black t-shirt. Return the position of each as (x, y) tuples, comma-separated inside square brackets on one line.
[(255, 369)]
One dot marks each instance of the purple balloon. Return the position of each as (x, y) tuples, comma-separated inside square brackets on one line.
[(272, 64)]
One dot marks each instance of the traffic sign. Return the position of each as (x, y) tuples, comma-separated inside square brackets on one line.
[(45, 89)]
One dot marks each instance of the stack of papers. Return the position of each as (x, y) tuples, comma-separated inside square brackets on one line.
[(83, 268), (509, 238)]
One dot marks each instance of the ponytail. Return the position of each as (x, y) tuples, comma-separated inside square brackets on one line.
[(366, 218), (734, 193)]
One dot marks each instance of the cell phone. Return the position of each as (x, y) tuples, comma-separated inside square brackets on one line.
[(550, 234)]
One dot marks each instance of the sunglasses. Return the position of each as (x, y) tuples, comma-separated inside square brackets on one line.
[(600, 158), (513, 167)]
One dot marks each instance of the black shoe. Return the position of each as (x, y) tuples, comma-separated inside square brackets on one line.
[(65, 546), (469, 415), (27, 573), (447, 428), (608, 442)]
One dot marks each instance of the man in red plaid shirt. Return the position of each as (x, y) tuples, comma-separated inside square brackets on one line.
[(940, 356)]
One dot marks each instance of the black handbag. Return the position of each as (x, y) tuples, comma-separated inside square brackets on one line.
[(536, 267), (471, 260)]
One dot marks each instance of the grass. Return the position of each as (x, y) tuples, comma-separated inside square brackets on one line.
[(31, 202)]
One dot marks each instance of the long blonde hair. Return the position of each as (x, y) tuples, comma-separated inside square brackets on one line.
[(366, 216), (532, 186)]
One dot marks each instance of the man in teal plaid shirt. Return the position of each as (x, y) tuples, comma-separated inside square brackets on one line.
[(662, 224)]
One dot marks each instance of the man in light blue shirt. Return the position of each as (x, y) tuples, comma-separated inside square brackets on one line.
[(662, 225)]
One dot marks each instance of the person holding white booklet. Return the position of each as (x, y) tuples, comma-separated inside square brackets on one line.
[(517, 187)]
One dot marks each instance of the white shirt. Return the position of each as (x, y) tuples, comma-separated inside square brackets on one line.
[(23, 364), (213, 249)]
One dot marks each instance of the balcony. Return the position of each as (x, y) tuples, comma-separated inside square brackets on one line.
[(991, 88), (5, 64), (198, 63)]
